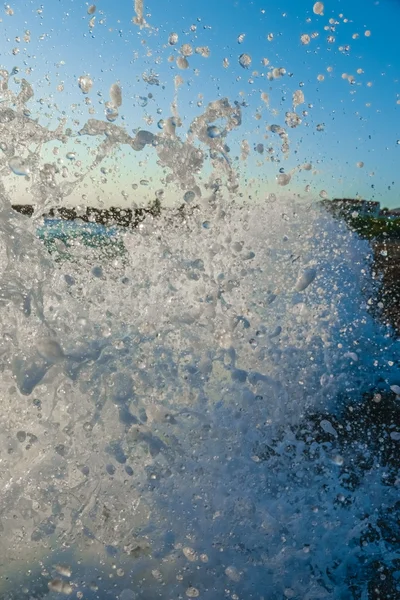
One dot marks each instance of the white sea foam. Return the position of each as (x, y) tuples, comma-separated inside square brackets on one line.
[(152, 407)]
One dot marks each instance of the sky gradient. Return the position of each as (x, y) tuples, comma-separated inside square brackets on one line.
[(350, 121)]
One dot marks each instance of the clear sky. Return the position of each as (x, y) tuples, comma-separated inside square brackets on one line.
[(348, 70)]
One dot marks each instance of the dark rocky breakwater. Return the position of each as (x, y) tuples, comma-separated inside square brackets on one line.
[(387, 267)]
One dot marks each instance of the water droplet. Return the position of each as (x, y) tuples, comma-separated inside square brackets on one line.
[(278, 72), (18, 166), (245, 61), (111, 114), (116, 95), (189, 196), (173, 39), (182, 63), (186, 50), (110, 469), (91, 9), (360, 164), (62, 587), (64, 570), (71, 155), (192, 592), (305, 39), (225, 63), (298, 98), (85, 83), (240, 38), (204, 51), (283, 179), (305, 279), (232, 573), (292, 119), (190, 554), (318, 8), (213, 131), (323, 194)]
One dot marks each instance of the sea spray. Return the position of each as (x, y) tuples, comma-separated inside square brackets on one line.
[(156, 404)]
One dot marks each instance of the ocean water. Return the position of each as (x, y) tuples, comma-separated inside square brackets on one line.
[(187, 421)]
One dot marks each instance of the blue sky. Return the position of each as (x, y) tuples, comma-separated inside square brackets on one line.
[(358, 123)]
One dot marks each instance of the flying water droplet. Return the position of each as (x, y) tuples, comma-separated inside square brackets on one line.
[(91, 9), (142, 139), (62, 587), (186, 50), (189, 196), (305, 279), (298, 98), (292, 119), (71, 155), (232, 573), (240, 38), (64, 570), (18, 166), (111, 113), (190, 554), (85, 83), (318, 8), (213, 131), (182, 63), (116, 95), (283, 178), (173, 39), (204, 51), (245, 61)]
